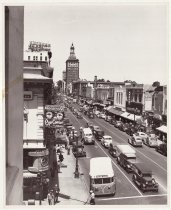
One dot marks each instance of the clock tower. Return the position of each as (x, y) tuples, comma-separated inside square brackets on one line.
[(72, 67)]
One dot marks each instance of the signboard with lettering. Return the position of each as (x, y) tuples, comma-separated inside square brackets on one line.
[(134, 108), (28, 95), (39, 46), (41, 161)]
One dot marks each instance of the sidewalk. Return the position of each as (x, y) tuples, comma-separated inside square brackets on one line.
[(73, 190), (70, 186)]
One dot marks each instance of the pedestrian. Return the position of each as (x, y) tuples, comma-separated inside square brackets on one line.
[(56, 193), (92, 198), (68, 148), (61, 157), (49, 197)]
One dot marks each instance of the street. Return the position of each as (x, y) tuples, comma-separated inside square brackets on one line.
[(127, 192)]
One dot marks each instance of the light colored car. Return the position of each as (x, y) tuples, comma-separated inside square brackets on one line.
[(106, 141), (135, 141), (151, 140), (102, 116), (142, 135)]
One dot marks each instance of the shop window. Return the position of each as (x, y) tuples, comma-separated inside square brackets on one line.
[(140, 98)]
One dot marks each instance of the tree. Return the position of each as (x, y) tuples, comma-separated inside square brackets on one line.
[(156, 84)]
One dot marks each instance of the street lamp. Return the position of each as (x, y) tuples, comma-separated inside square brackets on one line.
[(76, 165), (39, 176)]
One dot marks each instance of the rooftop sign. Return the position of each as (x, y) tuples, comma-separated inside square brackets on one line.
[(39, 46)]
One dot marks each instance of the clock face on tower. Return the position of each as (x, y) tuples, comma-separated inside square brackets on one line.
[(70, 64)]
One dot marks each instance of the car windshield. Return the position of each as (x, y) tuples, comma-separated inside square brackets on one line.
[(147, 175), (107, 138), (89, 134)]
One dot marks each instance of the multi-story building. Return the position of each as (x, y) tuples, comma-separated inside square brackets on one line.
[(38, 83), (72, 67), (13, 104), (120, 96)]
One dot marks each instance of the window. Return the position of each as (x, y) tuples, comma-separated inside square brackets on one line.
[(34, 58), (28, 58), (98, 181), (140, 98), (121, 98), (40, 58), (106, 180), (45, 58)]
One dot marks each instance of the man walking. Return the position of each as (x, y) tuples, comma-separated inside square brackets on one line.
[(56, 193), (49, 197)]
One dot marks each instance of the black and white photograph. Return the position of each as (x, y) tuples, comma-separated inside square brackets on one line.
[(85, 104)]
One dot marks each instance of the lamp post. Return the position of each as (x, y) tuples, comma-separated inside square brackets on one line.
[(39, 176), (76, 165)]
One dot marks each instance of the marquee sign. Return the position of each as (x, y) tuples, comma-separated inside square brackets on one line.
[(41, 161)]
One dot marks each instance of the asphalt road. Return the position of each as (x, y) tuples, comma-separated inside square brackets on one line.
[(127, 192)]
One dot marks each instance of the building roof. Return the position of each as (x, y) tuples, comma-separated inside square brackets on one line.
[(34, 73)]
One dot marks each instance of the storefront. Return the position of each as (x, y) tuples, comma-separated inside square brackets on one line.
[(114, 112), (162, 133)]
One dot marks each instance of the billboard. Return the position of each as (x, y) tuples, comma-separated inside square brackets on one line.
[(41, 161)]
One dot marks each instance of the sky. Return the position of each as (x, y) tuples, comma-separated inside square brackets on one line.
[(114, 42)]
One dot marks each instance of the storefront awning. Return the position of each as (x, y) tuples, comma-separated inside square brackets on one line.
[(31, 145), (130, 116), (162, 128), (114, 111), (29, 175)]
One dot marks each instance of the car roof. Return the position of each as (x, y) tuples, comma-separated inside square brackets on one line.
[(106, 136), (142, 168)]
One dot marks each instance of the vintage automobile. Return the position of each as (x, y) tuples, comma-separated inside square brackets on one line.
[(117, 124), (78, 149), (143, 178), (94, 127), (112, 150), (79, 115), (108, 118), (90, 115), (72, 138), (151, 140), (102, 116), (98, 133), (126, 160), (106, 141), (162, 148), (142, 135), (135, 140)]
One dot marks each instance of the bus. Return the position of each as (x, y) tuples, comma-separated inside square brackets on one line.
[(102, 180)]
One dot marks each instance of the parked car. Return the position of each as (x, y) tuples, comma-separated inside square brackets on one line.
[(151, 140), (143, 178), (108, 118), (78, 149), (106, 141), (135, 140), (79, 115), (162, 148), (102, 116), (117, 124), (142, 135)]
